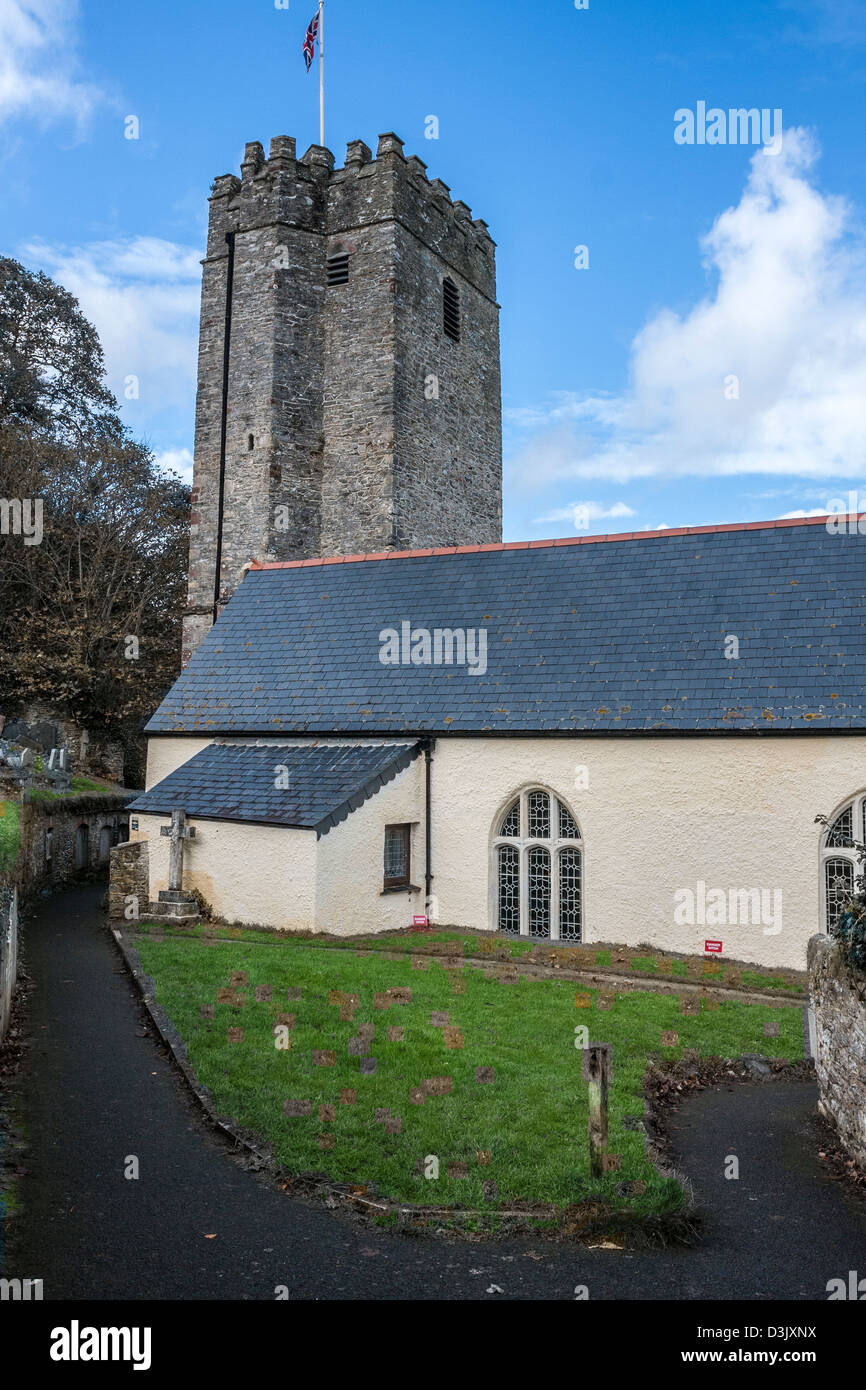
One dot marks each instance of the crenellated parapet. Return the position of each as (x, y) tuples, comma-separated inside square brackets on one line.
[(310, 193)]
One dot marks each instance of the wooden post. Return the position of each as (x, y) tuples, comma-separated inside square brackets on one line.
[(597, 1070)]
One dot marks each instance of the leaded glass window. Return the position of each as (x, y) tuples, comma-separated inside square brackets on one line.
[(537, 889), (569, 895), (567, 824), (539, 816), (841, 832), (538, 860), (396, 856), (508, 872), (841, 866), (838, 888)]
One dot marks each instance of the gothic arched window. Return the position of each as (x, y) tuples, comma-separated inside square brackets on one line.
[(538, 869), (839, 862)]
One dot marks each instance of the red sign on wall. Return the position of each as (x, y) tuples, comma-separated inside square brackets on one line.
[(714, 946), (419, 921)]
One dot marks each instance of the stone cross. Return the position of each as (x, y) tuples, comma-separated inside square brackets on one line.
[(178, 831)]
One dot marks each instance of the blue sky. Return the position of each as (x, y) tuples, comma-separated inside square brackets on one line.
[(710, 363)]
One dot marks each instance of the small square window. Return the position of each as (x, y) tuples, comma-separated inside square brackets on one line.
[(397, 856)]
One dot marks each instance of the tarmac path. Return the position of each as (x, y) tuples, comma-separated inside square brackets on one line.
[(99, 1086)]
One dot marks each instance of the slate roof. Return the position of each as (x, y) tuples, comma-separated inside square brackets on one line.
[(236, 782), (597, 635)]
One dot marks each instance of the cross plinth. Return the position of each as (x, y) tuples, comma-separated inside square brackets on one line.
[(177, 832)]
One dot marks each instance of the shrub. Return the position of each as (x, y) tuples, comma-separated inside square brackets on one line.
[(851, 934)]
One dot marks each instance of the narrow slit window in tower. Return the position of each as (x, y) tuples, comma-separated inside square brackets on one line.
[(451, 309)]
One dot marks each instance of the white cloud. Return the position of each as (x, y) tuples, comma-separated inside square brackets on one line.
[(142, 295), (787, 319), (581, 513), (176, 461), (38, 65)]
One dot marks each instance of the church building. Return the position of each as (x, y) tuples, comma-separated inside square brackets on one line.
[(386, 715)]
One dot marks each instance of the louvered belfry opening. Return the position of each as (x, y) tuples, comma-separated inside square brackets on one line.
[(338, 268), (451, 309)]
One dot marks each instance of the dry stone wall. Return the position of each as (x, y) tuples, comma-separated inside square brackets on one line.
[(838, 1000), (129, 879)]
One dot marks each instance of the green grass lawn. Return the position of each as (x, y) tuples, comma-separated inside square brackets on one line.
[(77, 787), (519, 950), (10, 835), (532, 1119)]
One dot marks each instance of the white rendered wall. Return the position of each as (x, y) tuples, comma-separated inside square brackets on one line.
[(254, 874), (351, 861), (165, 755), (658, 815)]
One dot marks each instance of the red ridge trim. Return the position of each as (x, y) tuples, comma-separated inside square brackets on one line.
[(535, 545)]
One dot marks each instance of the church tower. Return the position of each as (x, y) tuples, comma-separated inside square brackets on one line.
[(348, 373)]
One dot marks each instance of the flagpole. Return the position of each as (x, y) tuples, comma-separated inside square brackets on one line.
[(321, 72)]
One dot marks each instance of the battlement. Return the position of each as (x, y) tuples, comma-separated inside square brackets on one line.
[(308, 190), (348, 375)]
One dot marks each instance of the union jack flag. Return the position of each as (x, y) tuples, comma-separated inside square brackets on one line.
[(310, 40)]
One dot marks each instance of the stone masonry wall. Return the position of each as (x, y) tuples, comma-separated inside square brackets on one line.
[(53, 851), (838, 999), (129, 877), (331, 445)]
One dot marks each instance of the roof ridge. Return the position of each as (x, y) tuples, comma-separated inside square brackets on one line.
[(537, 545)]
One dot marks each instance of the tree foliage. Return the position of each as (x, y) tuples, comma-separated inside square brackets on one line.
[(108, 578)]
